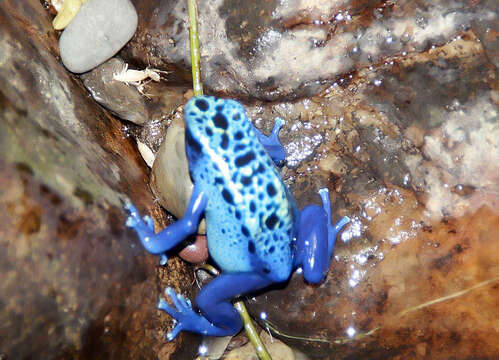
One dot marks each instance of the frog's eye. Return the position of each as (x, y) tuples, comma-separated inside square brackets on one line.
[(202, 104)]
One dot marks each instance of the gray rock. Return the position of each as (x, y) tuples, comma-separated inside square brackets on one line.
[(118, 97), (98, 31)]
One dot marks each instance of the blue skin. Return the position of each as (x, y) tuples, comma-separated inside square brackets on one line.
[(256, 234)]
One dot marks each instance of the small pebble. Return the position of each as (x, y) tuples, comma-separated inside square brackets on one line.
[(66, 13), (97, 32), (146, 153)]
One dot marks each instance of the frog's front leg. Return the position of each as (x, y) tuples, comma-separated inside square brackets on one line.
[(316, 238), (171, 236), (218, 318), (271, 143)]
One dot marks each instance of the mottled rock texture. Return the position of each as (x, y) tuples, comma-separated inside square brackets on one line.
[(409, 144), (402, 128), (258, 49), (411, 148), (74, 283)]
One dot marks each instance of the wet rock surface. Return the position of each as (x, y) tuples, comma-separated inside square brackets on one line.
[(402, 128), (434, 295), (257, 49), (75, 284), (411, 148)]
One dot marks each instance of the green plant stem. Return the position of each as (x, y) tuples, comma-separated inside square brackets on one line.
[(197, 84), (252, 332)]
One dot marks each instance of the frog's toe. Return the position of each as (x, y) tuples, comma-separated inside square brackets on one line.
[(175, 331), (182, 312), (163, 260), (278, 124), (180, 302), (133, 218), (132, 221), (130, 207), (340, 224), (167, 308), (149, 222)]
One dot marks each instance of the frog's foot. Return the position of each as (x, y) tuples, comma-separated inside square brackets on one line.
[(174, 234), (316, 238), (143, 225), (332, 230), (186, 318), (271, 143)]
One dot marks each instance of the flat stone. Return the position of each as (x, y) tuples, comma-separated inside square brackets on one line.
[(121, 99), (98, 31)]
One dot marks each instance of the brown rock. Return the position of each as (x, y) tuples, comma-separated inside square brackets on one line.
[(121, 99), (414, 272), (75, 283)]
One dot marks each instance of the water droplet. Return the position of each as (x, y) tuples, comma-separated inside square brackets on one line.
[(351, 331)]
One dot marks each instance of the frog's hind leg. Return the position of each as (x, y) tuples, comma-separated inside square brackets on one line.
[(271, 143), (175, 233), (316, 238), (219, 316)]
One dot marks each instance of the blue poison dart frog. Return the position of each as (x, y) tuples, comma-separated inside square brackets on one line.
[(255, 232)]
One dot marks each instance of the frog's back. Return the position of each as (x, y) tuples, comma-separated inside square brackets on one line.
[(249, 214)]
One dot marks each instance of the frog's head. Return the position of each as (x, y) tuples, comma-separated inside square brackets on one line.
[(210, 126)]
